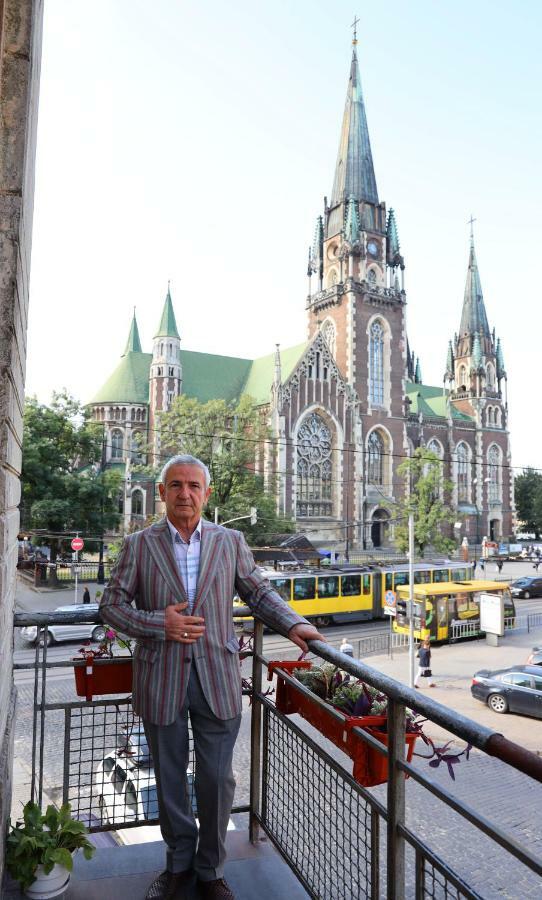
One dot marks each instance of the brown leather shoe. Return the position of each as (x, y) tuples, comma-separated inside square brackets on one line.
[(170, 886), (215, 890)]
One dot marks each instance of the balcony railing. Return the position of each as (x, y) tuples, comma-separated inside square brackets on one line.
[(340, 839)]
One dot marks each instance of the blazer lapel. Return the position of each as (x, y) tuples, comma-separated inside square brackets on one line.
[(161, 549), (211, 543)]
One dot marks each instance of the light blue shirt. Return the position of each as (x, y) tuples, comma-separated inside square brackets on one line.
[(187, 554)]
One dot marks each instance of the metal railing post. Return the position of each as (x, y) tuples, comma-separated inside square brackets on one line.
[(396, 802), (256, 734)]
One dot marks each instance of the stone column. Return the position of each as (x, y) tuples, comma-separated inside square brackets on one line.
[(20, 57)]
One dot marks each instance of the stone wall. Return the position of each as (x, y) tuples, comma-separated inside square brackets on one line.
[(20, 57)]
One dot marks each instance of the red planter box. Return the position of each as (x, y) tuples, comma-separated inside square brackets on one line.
[(370, 766), (107, 677)]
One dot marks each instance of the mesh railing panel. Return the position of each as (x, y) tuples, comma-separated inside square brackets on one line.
[(317, 818)]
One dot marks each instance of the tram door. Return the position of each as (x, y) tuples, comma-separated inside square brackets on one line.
[(377, 578)]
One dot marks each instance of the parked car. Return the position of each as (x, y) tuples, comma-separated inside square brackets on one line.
[(516, 689), (80, 632), (526, 587), (535, 657)]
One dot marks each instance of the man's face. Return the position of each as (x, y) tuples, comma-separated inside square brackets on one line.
[(184, 494)]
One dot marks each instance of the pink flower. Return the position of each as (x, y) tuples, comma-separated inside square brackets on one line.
[(110, 634)]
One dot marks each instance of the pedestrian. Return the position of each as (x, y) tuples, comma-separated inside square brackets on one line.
[(346, 647), (482, 566), (180, 574), (536, 565), (86, 595), (499, 565), (424, 664)]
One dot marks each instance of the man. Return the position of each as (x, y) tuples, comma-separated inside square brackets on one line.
[(182, 574), (86, 594)]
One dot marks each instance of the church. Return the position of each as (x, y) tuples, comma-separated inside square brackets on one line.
[(346, 406)]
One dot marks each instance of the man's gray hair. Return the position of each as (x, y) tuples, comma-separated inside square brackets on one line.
[(186, 460)]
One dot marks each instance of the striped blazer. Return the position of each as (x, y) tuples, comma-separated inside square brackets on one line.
[(146, 579)]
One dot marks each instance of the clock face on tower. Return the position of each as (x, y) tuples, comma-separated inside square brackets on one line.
[(372, 247)]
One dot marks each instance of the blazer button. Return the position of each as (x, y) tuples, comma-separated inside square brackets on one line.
[(187, 661)]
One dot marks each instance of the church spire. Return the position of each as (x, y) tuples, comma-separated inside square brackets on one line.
[(168, 325), (133, 344), (473, 317), (354, 172)]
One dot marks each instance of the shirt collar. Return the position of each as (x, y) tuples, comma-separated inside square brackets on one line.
[(196, 534)]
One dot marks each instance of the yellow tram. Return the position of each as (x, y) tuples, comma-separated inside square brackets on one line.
[(355, 593)]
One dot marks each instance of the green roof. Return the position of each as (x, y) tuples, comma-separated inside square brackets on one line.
[(129, 383), (210, 377), (432, 402), (168, 325), (262, 371)]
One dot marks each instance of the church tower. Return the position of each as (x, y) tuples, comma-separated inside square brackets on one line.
[(166, 378), (356, 271)]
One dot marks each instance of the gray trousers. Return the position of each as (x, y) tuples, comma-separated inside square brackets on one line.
[(214, 740)]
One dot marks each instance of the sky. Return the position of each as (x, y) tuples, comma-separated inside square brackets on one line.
[(195, 141)]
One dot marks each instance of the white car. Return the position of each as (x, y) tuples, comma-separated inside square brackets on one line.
[(80, 632)]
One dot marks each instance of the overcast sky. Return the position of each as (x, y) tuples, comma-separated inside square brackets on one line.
[(195, 141)]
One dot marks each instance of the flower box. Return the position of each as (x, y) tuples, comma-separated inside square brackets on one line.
[(103, 677), (370, 766)]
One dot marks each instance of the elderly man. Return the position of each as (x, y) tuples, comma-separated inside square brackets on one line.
[(181, 574)]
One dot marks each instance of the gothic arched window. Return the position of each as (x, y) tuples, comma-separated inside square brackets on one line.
[(494, 466), (376, 361), (462, 473), (314, 468), (490, 376), (329, 335), (435, 447), (137, 455), (462, 376), (116, 444), (375, 467), (137, 503)]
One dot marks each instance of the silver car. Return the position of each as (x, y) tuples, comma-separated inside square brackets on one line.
[(79, 632)]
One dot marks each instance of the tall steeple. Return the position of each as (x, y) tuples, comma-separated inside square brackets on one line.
[(354, 171), (473, 316), (133, 343), (168, 325), (166, 374)]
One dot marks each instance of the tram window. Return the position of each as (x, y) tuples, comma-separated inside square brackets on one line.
[(282, 587), (401, 578), (441, 575), (304, 588), (460, 575), (328, 587), (351, 585), (422, 577), (366, 584), (389, 581)]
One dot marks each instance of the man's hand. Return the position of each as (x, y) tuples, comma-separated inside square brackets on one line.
[(181, 628), (301, 633)]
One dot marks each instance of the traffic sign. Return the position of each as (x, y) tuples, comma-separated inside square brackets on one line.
[(390, 603), (77, 544)]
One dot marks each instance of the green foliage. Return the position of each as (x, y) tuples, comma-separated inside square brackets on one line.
[(226, 437), (528, 496), (63, 487), (426, 500), (44, 839)]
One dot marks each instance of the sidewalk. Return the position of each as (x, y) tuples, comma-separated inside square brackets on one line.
[(453, 666)]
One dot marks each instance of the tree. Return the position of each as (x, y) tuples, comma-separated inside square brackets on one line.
[(528, 495), (426, 489), (226, 437), (63, 486)]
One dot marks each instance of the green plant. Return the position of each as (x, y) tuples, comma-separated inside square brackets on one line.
[(44, 840)]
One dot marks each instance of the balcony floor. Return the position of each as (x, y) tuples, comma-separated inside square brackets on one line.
[(124, 873)]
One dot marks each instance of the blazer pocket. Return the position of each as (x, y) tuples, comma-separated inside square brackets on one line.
[(145, 654), (233, 645)]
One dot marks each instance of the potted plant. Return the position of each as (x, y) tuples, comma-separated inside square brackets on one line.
[(39, 849), (110, 674), (351, 703)]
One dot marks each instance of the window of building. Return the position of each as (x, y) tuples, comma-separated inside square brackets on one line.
[(116, 444), (494, 465), (375, 468), (171, 371), (490, 376), (329, 334), (137, 503), (462, 473), (376, 357), (462, 376), (435, 447), (314, 468), (137, 456)]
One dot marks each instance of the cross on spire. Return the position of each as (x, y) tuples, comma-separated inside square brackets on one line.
[(471, 222), (354, 25)]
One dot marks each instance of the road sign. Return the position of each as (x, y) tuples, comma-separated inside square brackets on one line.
[(77, 543), (390, 603)]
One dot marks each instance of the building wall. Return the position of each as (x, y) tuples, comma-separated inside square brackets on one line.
[(20, 57)]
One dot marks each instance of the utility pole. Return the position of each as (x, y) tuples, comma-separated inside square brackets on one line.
[(411, 655), (100, 577)]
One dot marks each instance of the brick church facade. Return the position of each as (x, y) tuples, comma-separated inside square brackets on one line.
[(345, 407)]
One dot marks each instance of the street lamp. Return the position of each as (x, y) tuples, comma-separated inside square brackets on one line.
[(475, 482)]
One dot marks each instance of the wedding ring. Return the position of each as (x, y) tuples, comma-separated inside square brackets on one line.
[(185, 635)]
